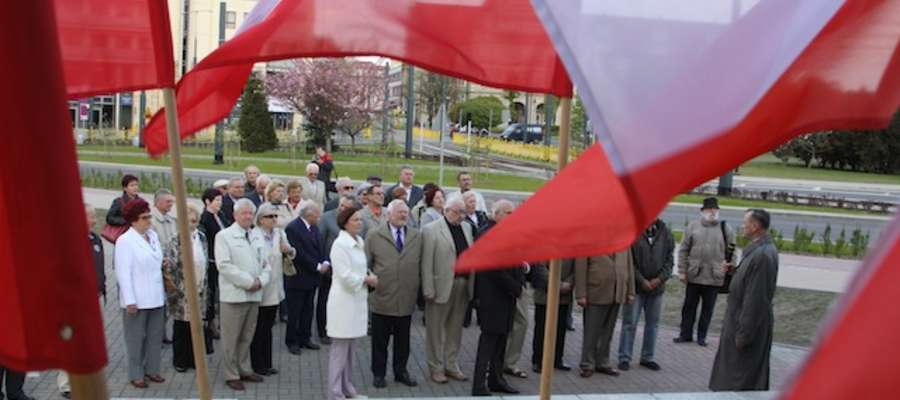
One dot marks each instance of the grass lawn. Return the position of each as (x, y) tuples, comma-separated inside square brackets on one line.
[(724, 201), (356, 171), (797, 312), (768, 165)]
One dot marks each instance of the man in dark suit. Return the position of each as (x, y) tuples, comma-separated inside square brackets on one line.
[(258, 195), (235, 193), (311, 262), (413, 193)]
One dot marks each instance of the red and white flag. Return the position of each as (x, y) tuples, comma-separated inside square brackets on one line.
[(494, 42), (114, 46)]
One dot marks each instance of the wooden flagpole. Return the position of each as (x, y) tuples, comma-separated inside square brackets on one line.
[(89, 386), (184, 238), (555, 266)]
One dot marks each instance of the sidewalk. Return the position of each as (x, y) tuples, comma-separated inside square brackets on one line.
[(796, 271)]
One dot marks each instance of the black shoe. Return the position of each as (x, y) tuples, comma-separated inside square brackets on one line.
[(562, 367), (167, 340), (406, 379), (379, 382), (180, 369), (312, 346), (261, 372), (651, 365), (295, 350), (624, 366), (503, 387), (680, 339), (536, 368), (570, 328), (702, 342), (480, 392), (67, 395), (272, 371), (325, 340)]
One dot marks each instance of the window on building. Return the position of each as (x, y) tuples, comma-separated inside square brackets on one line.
[(230, 20)]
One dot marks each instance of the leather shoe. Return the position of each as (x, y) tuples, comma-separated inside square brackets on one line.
[(312, 346), (680, 339), (252, 378), (456, 375), (536, 368), (651, 365), (624, 366), (562, 367), (261, 372), (702, 342), (406, 379), (379, 382), (67, 395), (272, 371), (439, 377), (586, 373), (503, 387), (325, 340), (607, 371), (235, 385), (155, 378), (480, 392), (295, 350)]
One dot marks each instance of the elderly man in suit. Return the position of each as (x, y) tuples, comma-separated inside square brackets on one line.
[(243, 272), (313, 188), (328, 232), (344, 187), (251, 173), (394, 253), (602, 285), (235, 192), (446, 292), (258, 195), (413, 193), (311, 263)]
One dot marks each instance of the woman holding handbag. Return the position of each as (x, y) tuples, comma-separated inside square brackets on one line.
[(278, 252), (115, 221)]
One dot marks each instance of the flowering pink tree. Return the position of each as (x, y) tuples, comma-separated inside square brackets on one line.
[(331, 94)]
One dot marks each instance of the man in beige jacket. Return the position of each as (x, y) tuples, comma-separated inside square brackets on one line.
[(394, 254), (602, 285), (446, 292)]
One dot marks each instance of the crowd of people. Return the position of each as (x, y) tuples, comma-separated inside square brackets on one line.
[(361, 260)]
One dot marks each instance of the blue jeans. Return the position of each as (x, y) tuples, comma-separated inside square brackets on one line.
[(651, 305)]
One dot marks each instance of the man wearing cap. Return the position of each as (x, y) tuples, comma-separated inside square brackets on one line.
[(701, 264), (221, 185)]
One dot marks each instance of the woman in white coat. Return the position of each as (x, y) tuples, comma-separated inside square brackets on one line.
[(139, 262), (348, 311), (276, 246)]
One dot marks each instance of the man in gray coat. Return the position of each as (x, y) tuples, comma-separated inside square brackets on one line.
[(446, 293), (700, 261), (742, 362), (394, 253)]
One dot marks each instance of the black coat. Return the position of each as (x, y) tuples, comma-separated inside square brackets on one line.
[(255, 198), (496, 292), (227, 210), (653, 260), (99, 264), (114, 215), (210, 228), (484, 223), (414, 198), (310, 252)]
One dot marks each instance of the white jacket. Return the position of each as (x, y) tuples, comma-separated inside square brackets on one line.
[(273, 293), (348, 310), (240, 262), (138, 266)]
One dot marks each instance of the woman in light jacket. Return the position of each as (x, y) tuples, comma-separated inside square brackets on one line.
[(275, 247), (182, 348), (434, 207), (139, 263), (348, 311), (276, 196)]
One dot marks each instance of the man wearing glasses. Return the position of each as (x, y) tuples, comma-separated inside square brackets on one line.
[(344, 188), (373, 214)]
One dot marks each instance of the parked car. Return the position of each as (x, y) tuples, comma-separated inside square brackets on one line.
[(517, 132)]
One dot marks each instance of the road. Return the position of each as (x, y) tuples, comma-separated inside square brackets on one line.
[(675, 213)]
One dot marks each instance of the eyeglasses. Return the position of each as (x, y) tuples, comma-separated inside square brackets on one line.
[(270, 216), (347, 188)]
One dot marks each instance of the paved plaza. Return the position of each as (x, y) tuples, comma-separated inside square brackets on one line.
[(686, 368)]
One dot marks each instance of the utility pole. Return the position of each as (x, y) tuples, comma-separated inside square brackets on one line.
[(219, 138), (443, 121), (141, 118), (549, 109), (410, 108)]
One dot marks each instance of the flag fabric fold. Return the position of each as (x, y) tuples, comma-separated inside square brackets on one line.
[(492, 42), (114, 46), (48, 288), (687, 93)]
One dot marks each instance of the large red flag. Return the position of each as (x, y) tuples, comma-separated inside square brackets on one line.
[(494, 42), (680, 94), (114, 46), (48, 289)]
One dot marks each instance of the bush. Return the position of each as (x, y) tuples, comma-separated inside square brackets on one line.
[(859, 242), (255, 125), (478, 110), (840, 243)]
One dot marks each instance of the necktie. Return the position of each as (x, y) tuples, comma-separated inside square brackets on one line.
[(399, 242)]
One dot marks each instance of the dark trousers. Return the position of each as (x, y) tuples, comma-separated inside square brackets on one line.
[(489, 360), (261, 346), (182, 347), (212, 284), (383, 328), (537, 344), (321, 305), (14, 383), (301, 305), (693, 294)]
